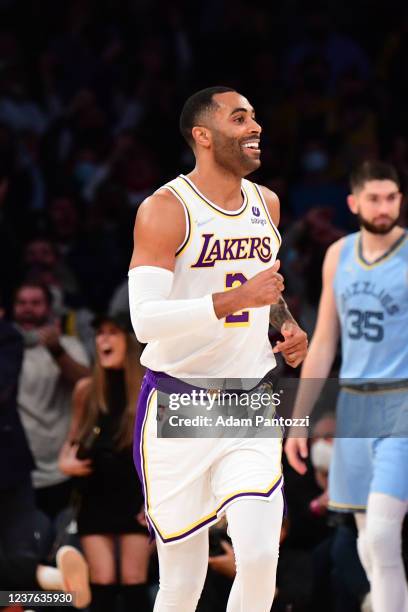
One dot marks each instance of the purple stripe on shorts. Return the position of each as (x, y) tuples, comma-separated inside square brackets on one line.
[(214, 517), (140, 416), (150, 381), (148, 384)]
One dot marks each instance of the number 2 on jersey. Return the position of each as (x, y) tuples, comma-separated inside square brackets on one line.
[(238, 319)]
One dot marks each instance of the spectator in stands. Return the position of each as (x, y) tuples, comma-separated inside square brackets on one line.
[(52, 365), (10, 252), (302, 256), (320, 454), (64, 222), (43, 264), (315, 186), (339, 581), (20, 566), (98, 451)]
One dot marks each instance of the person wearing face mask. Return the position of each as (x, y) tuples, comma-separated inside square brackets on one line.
[(334, 558), (98, 452), (317, 184), (315, 160), (320, 455)]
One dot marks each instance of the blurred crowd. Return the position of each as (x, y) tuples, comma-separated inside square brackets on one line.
[(90, 95)]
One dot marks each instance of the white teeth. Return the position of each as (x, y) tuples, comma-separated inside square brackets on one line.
[(251, 145)]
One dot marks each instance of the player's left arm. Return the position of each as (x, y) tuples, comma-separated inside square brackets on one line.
[(294, 346)]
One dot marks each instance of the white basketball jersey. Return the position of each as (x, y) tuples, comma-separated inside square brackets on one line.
[(221, 250)]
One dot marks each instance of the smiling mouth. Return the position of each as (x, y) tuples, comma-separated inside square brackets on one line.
[(251, 144), (251, 147)]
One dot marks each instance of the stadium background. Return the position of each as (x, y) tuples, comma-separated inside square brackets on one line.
[(90, 95)]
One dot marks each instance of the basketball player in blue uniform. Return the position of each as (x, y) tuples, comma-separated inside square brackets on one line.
[(365, 301), (202, 280)]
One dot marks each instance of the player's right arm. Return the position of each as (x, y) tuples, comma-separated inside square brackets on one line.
[(159, 231), (319, 360)]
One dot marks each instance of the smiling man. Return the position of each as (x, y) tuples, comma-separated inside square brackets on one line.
[(203, 285)]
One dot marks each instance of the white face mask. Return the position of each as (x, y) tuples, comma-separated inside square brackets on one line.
[(321, 453)]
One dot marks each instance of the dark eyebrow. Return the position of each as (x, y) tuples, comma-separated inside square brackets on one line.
[(241, 109), (387, 195)]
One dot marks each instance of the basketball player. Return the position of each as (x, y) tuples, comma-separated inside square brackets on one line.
[(203, 276), (365, 300)]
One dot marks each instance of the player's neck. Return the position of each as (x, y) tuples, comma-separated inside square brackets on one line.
[(374, 245), (218, 185)]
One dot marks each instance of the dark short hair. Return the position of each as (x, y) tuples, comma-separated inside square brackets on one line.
[(373, 170), (42, 237), (35, 285), (196, 105), (121, 319)]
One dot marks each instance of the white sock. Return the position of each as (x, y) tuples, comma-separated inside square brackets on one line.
[(362, 547), (183, 568), (49, 578), (254, 527), (379, 546)]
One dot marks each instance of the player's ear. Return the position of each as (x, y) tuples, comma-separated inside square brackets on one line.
[(202, 136), (352, 204)]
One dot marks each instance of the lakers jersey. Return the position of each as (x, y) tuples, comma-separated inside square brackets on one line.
[(221, 250), (372, 303)]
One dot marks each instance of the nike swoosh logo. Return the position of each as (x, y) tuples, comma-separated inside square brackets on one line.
[(204, 222)]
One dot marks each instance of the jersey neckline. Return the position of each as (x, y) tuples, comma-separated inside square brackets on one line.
[(223, 211), (393, 248)]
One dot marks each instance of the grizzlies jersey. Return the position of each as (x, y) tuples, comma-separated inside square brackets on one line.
[(221, 250), (372, 303)]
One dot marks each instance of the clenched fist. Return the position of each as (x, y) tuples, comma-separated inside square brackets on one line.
[(265, 288)]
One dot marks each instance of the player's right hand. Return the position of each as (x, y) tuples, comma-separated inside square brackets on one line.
[(296, 452), (265, 288)]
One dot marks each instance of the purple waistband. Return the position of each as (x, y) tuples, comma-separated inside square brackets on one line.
[(168, 384)]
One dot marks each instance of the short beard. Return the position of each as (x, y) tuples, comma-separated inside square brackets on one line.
[(228, 157), (380, 230), (33, 322)]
